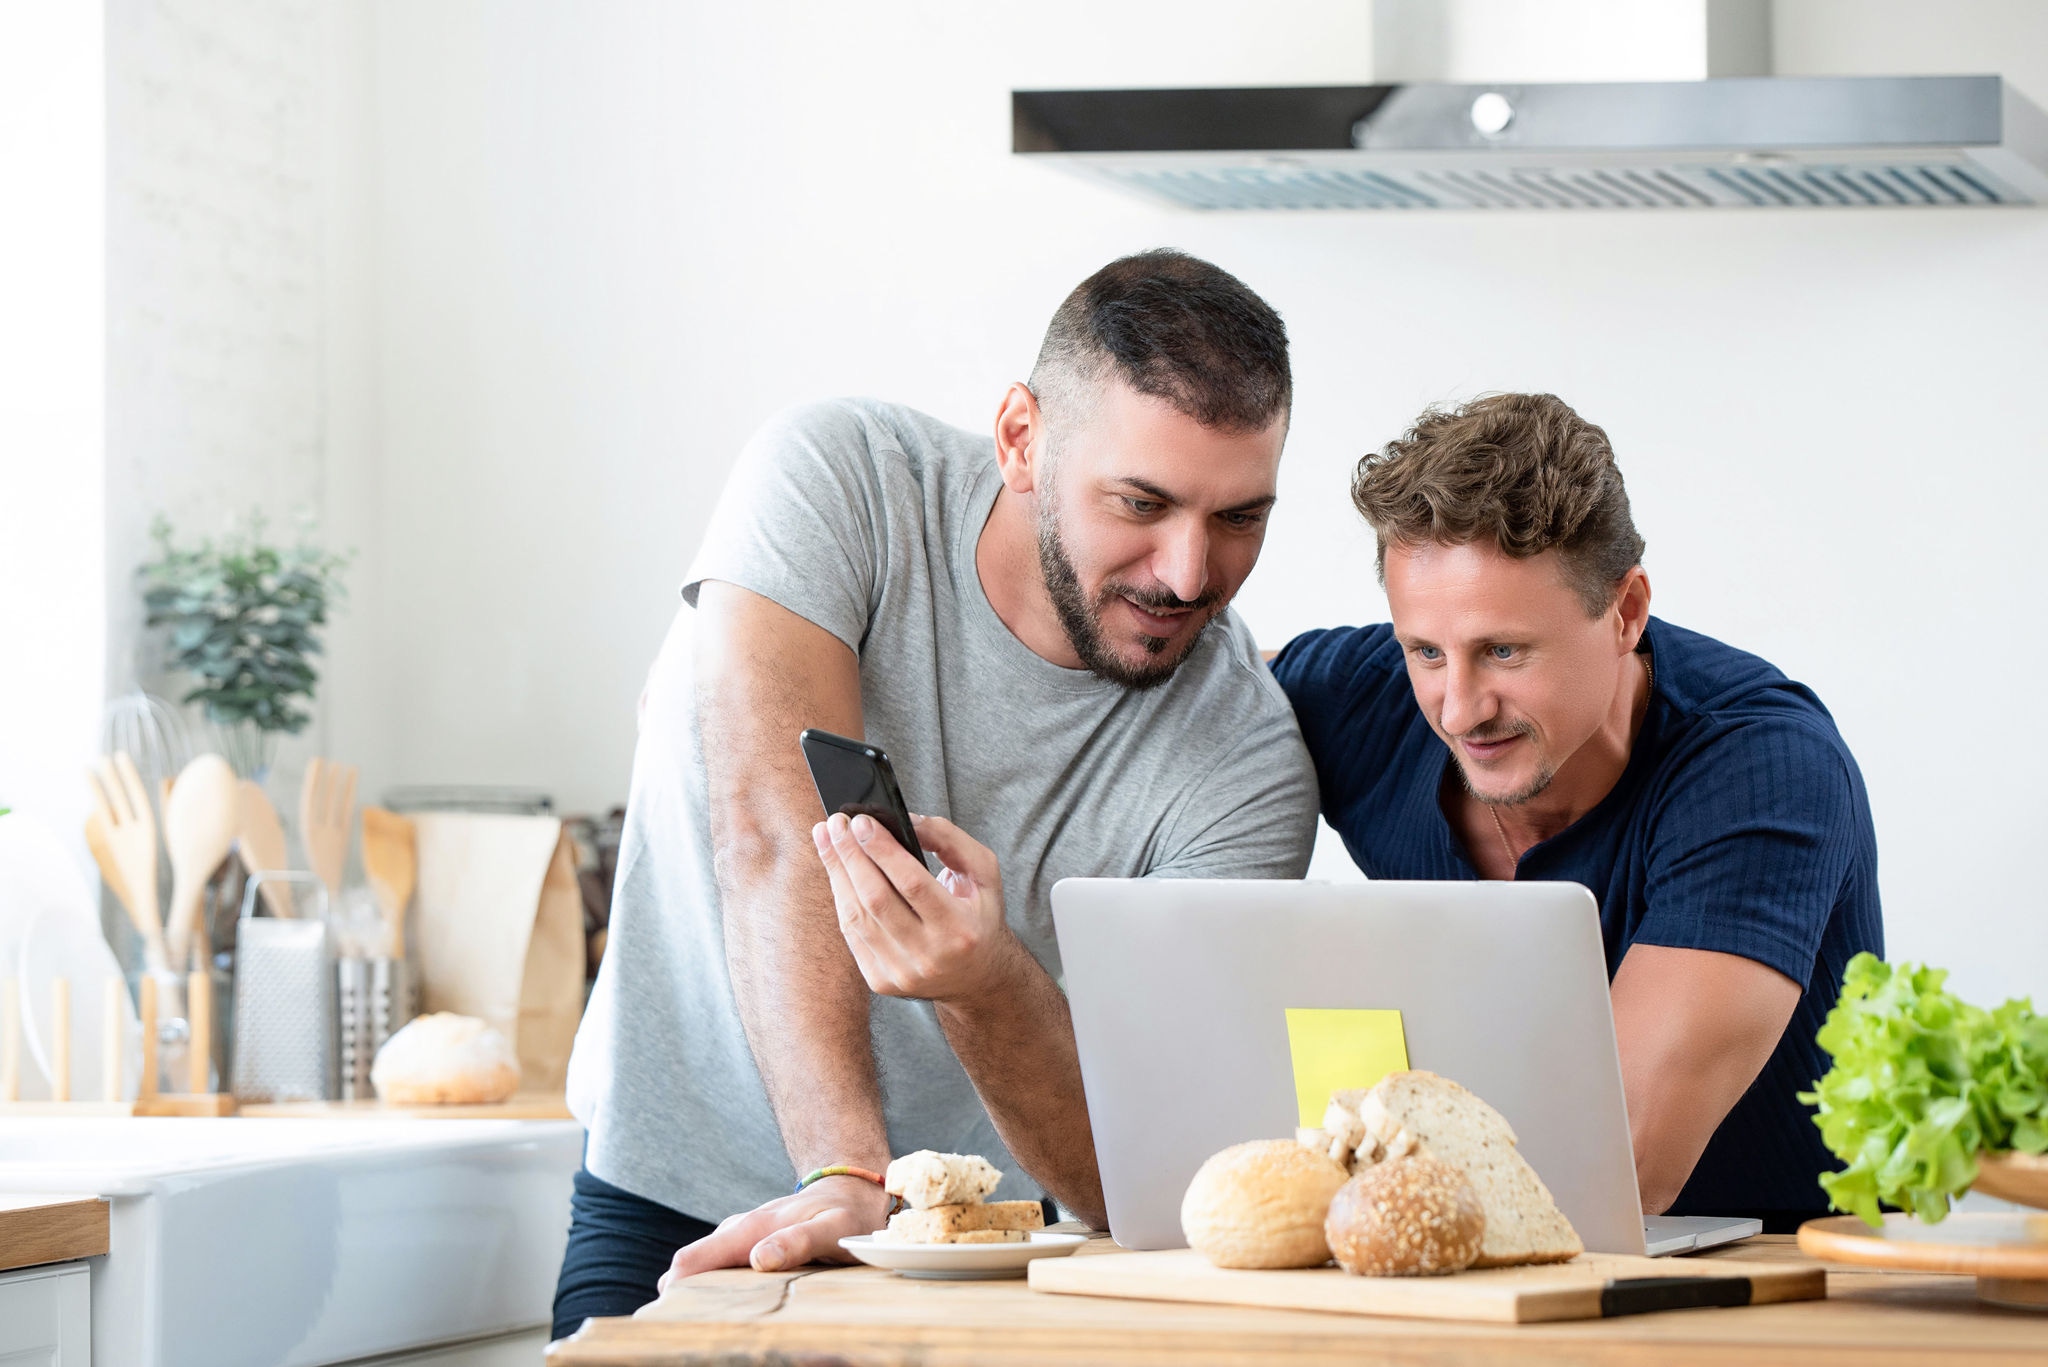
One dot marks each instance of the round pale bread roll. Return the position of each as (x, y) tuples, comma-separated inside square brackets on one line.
[(445, 1060), (1262, 1205), (1407, 1217)]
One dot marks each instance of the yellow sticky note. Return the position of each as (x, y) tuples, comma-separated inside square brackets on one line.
[(1338, 1048)]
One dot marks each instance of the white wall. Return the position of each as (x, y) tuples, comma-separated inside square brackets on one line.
[(608, 239), (234, 235), (52, 382)]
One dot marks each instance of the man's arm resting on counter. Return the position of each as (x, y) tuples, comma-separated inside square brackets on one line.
[(1694, 1027), (944, 940), (763, 674), (1017, 1045)]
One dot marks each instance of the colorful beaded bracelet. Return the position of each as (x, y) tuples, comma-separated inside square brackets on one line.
[(842, 1170)]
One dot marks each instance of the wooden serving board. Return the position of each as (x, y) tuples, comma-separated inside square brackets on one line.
[(1593, 1286)]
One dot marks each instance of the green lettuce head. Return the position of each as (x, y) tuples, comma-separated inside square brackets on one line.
[(1922, 1083)]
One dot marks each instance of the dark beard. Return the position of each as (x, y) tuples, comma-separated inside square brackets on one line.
[(1082, 620)]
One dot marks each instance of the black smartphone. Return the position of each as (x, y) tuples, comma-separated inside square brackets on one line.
[(854, 778)]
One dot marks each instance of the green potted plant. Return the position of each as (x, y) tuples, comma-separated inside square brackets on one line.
[(244, 618)]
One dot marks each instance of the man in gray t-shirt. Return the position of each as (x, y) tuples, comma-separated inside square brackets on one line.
[(1036, 629)]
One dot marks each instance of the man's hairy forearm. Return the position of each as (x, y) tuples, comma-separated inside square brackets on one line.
[(762, 675), (805, 1011), (1018, 1048)]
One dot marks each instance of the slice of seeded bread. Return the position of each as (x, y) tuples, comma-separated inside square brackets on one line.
[(945, 1224), (1420, 1112), (993, 1236), (925, 1179)]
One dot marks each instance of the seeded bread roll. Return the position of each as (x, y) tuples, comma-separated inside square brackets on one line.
[(946, 1224), (1407, 1217), (1262, 1205), (1418, 1112), (926, 1179)]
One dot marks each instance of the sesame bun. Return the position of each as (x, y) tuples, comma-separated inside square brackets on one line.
[(1407, 1217), (1262, 1205)]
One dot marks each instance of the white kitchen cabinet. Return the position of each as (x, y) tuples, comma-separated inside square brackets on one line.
[(46, 1316)]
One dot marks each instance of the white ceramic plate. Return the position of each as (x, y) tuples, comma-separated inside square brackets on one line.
[(960, 1262)]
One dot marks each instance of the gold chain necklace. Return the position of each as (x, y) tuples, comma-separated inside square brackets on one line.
[(1515, 860)]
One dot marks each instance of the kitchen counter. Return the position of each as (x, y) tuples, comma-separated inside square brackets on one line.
[(524, 1106), (861, 1315), (300, 1243), (41, 1228)]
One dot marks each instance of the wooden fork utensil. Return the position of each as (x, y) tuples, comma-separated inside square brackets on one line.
[(327, 809), (126, 830)]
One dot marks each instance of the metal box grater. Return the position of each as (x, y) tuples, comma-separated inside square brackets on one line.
[(284, 1011), (374, 998)]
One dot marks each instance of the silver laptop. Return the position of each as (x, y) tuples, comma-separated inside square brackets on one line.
[(1180, 991)]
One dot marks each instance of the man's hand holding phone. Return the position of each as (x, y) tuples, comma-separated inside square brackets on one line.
[(912, 934)]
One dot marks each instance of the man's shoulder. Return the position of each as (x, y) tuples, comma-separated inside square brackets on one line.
[(1226, 663), (871, 430), (1734, 708), (1716, 683), (1340, 668)]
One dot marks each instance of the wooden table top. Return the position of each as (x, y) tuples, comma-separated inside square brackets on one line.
[(40, 1228), (862, 1315)]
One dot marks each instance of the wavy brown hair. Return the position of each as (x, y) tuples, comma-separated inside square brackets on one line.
[(1521, 470)]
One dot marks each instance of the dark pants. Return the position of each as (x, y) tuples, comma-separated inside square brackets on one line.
[(619, 1245)]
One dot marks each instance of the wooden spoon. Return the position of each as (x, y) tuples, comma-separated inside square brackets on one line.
[(121, 810), (327, 802), (260, 840), (199, 830), (391, 861)]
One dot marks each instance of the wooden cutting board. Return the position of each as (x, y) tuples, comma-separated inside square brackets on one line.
[(1593, 1286)]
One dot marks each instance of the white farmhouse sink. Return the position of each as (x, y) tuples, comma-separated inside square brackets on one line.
[(290, 1243)]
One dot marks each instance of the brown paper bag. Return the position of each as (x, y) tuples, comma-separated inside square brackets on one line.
[(500, 932)]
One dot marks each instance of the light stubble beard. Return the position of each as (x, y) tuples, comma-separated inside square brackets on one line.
[(1082, 620), (1544, 773)]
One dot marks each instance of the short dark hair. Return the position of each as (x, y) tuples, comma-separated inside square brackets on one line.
[(1521, 470), (1175, 327)]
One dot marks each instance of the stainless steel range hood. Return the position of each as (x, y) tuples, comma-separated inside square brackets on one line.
[(1764, 142)]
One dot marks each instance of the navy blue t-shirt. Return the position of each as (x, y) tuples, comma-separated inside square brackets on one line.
[(1740, 824)]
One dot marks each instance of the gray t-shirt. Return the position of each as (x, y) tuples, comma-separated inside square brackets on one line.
[(863, 518)]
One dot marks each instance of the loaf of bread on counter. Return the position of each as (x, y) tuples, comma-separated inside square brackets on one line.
[(445, 1060), (926, 1179), (1261, 1204), (1418, 1112), (967, 1222)]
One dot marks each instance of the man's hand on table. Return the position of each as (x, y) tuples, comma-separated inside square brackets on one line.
[(913, 935), (788, 1231)]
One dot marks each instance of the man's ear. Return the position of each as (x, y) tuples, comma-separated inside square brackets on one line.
[(1632, 607), (1020, 438)]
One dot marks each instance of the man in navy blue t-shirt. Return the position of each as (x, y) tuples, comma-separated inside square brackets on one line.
[(1524, 716)]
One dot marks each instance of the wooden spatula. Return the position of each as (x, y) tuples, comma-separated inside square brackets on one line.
[(390, 860), (327, 803), (121, 809), (199, 830), (260, 840)]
